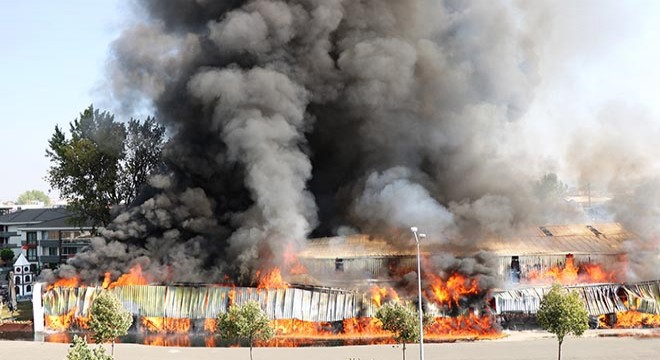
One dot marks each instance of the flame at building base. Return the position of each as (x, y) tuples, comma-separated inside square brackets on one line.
[(631, 319), (163, 311)]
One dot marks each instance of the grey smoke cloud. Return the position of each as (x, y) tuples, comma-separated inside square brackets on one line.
[(291, 119), (618, 157)]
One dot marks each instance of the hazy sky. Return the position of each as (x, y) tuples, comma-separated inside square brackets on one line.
[(54, 55)]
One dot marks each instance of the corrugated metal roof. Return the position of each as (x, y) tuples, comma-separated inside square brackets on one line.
[(575, 239), (353, 246)]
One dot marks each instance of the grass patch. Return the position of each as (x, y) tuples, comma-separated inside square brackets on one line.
[(23, 313)]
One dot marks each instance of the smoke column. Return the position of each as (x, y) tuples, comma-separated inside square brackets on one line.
[(296, 119)]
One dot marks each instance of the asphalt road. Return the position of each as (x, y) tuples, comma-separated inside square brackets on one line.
[(523, 346)]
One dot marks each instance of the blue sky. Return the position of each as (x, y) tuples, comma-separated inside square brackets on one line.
[(53, 56)]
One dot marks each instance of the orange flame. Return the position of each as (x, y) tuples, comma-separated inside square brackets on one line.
[(271, 280), (595, 273), (378, 295), (631, 319), (165, 325), (106, 280), (134, 277), (59, 323), (301, 329), (64, 282), (363, 326), (209, 325), (461, 327), (370, 329), (292, 265), (572, 274), (451, 291), (164, 340)]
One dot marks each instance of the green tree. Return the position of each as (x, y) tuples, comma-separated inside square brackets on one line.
[(144, 145), (103, 164), (562, 313), (247, 321), (108, 319), (7, 255), (401, 321), (32, 195), (550, 187), (79, 350)]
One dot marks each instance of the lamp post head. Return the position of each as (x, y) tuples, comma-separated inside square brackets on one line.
[(422, 236), (413, 229)]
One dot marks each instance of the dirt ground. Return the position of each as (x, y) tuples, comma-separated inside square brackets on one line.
[(596, 344)]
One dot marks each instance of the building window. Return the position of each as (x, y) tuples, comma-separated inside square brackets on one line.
[(515, 269), (31, 237), (69, 250), (339, 265), (32, 254), (52, 251), (28, 288)]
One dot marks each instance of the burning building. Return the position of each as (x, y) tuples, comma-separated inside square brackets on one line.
[(342, 281), (567, 254), (291, 120)]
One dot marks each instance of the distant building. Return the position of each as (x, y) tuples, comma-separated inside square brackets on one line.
[(45, 236)]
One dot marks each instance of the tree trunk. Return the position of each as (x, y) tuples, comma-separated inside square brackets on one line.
[(250, 349), (559, 350), (112, 349), (404, 351)]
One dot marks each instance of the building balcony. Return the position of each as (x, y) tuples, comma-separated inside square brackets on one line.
[(6, 234), (49, 243), (8, 246), (49, 259), (78, 244)]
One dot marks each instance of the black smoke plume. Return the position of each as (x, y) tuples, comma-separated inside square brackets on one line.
[(297, 119)]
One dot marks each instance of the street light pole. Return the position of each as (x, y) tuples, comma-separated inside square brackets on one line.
[(419, 293)]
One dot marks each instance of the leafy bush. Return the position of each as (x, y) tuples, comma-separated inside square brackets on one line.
[(79, 350), (7, 255)]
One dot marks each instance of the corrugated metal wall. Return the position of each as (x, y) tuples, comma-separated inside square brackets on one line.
[(598, 299), (206, 302), (529, 263)]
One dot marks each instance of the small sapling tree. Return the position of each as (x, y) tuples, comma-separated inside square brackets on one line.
[(108, 319), (401, 322), (562, 313), (247, 321)]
